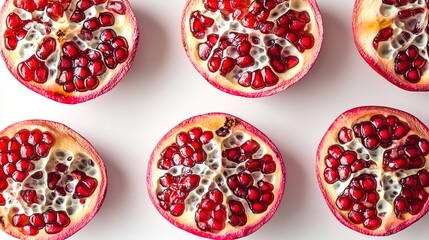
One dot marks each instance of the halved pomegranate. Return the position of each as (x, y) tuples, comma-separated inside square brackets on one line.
[(392, 36), (373, 171), (52, 181), (216, 176), (70, 51), (252, 48)]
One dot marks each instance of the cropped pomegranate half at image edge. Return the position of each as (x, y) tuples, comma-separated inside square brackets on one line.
[(52, 181), (216, 176), (373, 171), (252, 48), (70, 51), (392, 36)]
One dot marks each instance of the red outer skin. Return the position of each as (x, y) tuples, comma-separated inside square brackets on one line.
[(374, 62), (76, 139), (248, 229), (281, 85), (70, 98), (351, 114)]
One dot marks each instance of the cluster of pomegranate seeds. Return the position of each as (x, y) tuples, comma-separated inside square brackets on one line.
[(341, 163), (292, 26), (17, 152), (33, 69), (187, 150), (360, 200), (104, 19), (413, 196), (383, 35), (114, 48), (380, 131), (79, 70), (200, 24), (16, 30), (410, 64), (238, 215), (279, 62), (177, 189), (51, 221), (211, 214), (410, 155)]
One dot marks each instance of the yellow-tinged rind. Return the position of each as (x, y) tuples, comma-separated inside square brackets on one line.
[(290, 77), (390, 224), (212, 122), (65, 138)]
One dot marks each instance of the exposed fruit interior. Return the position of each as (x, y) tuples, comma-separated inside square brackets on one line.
[(252, 45), (215, 177), (395, 34), (48, 182), (374, 171), (67, 47)]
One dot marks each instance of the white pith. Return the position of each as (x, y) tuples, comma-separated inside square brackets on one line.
[(369, 23), (388, 187), (27, 47), (69, 150), (222, 27)]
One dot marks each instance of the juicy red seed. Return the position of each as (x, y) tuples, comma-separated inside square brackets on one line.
[(37, 220), (348, 157), (27, 5), (245, 61), (60, 167), (335, 151), (71, 49), (77, 16), (84, 4), (372, 223), (214, 64), (212, 5), (253, 194), (41, 75), (423, 176), (25, 72), (344, 172), (356, 217), (2, 200), (190, 182), (53, 228), (331, 175), (13, 21), (24, 165), (29, 196), (258, 207), (53, 179), (177, 209), (206, 137), (227, 66), (20, 220), (92, 24), (344, 203), (30, 230), (91, 83), (3, 184), (107, 35), (55, 10), (120, 42), (106, 19), (63, 219), (332, 162), (19, 176), (357, 193), (236, 207), (117, 7), (121, 54)]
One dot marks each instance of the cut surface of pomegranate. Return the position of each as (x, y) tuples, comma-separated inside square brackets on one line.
[(70, 51), (392, 36), (252, 48), (216, 176), (373, 171), (52, 181)]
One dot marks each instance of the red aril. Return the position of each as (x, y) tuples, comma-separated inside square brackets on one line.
[(391, 35), (52, 181), (372, 169), (70, 51), (252, 48), (216, 176)]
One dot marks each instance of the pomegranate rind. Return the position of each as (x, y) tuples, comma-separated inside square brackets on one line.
[(286, 79), (367, 22), (55, 91), (390, 224), (213, 121), (66, 138)]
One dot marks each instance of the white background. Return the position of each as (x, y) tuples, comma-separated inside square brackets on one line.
[(163, 88)]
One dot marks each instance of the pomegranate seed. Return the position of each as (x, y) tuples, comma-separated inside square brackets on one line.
[(211, 5), (245, 61), (27, 5), (53, 228), (13, 21), (84, 4), (214, 64), (20, 220), (77, 16), (117, 7), (92, 83), (29, 196), (106, 19), (423, 176), (2, 200), (30, 230), (331, 175), (227, 66), (356, 217), (236, 207), (37, 220), (54, 10), (92, 24), (372, 223), (70, 49), (245, 79), (344, 203), (63, 219), (41, 74), (121, 54)]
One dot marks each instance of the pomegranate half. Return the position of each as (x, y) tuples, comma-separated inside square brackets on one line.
[(52, 181), (373, 171), (216, 176), (70, 51), (392, 36), (252, 48)]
